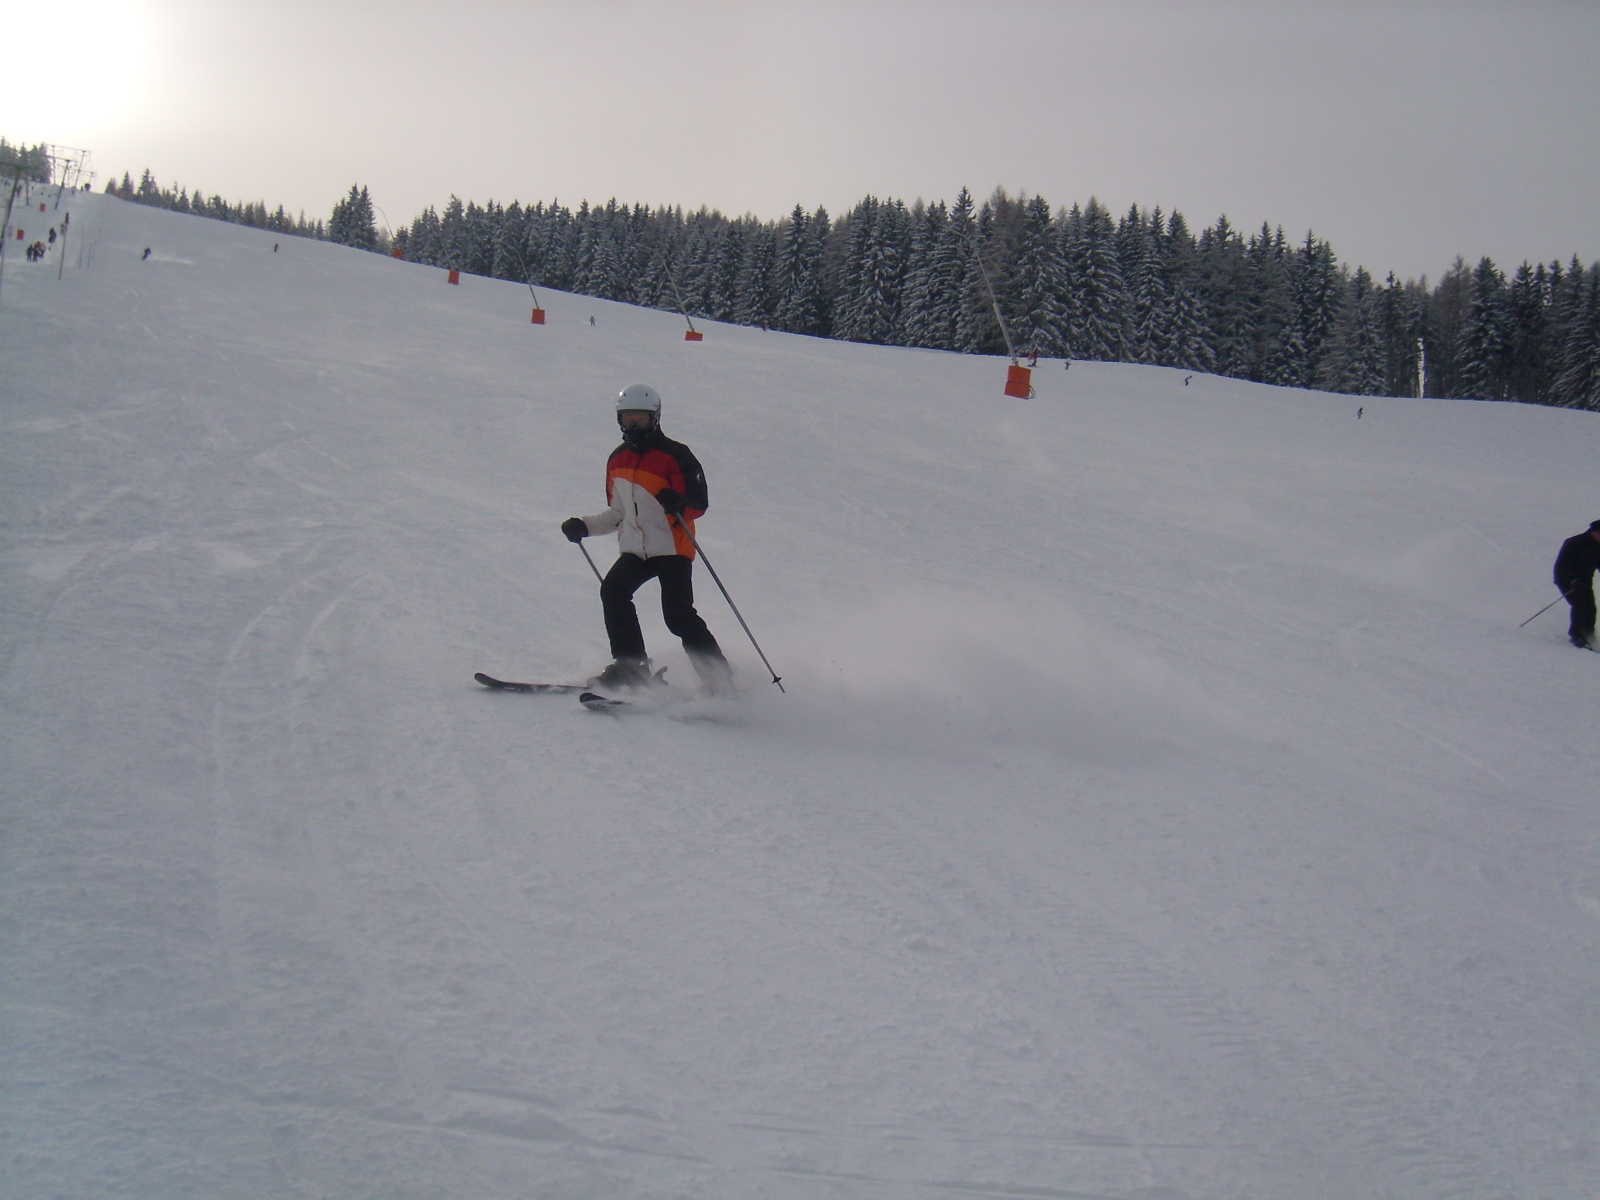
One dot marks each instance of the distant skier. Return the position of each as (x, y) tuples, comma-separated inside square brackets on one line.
[(652, 484), (146, 254), (1574, 575), (1360, 410)]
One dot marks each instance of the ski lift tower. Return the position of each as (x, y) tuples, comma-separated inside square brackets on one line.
[(68, 167)]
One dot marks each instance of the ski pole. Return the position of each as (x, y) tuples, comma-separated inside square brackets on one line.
[(683, 526), (590, 561), (1535, 616)]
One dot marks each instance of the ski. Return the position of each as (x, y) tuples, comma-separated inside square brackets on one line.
[(544, 689), (595, 702)]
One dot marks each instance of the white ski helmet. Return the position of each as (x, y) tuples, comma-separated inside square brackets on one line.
[(639, 397)]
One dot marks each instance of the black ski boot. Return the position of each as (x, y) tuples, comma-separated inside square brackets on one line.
[(624, 673)]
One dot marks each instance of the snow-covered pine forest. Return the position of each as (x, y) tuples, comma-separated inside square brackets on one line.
[(1077, 284), (1080, 284), (254, 214)]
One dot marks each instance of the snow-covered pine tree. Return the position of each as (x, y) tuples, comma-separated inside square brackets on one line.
[(1485, 336), (977, 331), (948, 277), (1576, 323), (1099, 331), (605, 269), (694, 278), (339, 221), (351, 224), (452, 236), (1138, 252), (848, 300), (1399, 328), (1446, 318), (819, 302), (639, 235), (891, 251), (927, 224), (728, 246), (1355, 361), (1002, 248), (546, 246), (867, 304), (1223, 283), (1578, 360), (423, 244), (1527, 350), (790, 270), (588, 232), (757, 299), (1273, 349), (665, 241), (364, 226), (1186, 344), (1316, 292), (508, 238), (1040, 316)]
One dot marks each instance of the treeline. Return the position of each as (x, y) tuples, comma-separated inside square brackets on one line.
[(1083, 284), (34, 161), (180, 199)]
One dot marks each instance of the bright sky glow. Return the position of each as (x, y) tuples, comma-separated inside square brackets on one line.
[(66, 70), (1406, 133)]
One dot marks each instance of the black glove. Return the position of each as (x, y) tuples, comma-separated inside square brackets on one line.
[(575, 528), (671, 502)]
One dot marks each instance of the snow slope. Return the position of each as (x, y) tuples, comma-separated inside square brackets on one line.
[(1165, 803)]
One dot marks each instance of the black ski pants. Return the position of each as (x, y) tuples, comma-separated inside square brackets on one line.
[(627, 575), (1581, 597)]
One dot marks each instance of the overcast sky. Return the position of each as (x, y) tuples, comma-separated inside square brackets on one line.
[(1405, 133)]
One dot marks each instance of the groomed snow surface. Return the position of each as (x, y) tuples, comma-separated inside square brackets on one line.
[(1165, 803)]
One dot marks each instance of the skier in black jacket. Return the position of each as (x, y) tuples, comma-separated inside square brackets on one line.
[(1574, 575)]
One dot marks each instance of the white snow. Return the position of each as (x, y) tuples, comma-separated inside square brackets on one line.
[(1165, 803)]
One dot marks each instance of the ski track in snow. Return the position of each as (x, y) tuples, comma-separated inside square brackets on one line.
[(1164, 805)]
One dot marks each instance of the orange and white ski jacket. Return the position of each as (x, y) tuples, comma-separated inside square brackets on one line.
[(633, 477)]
